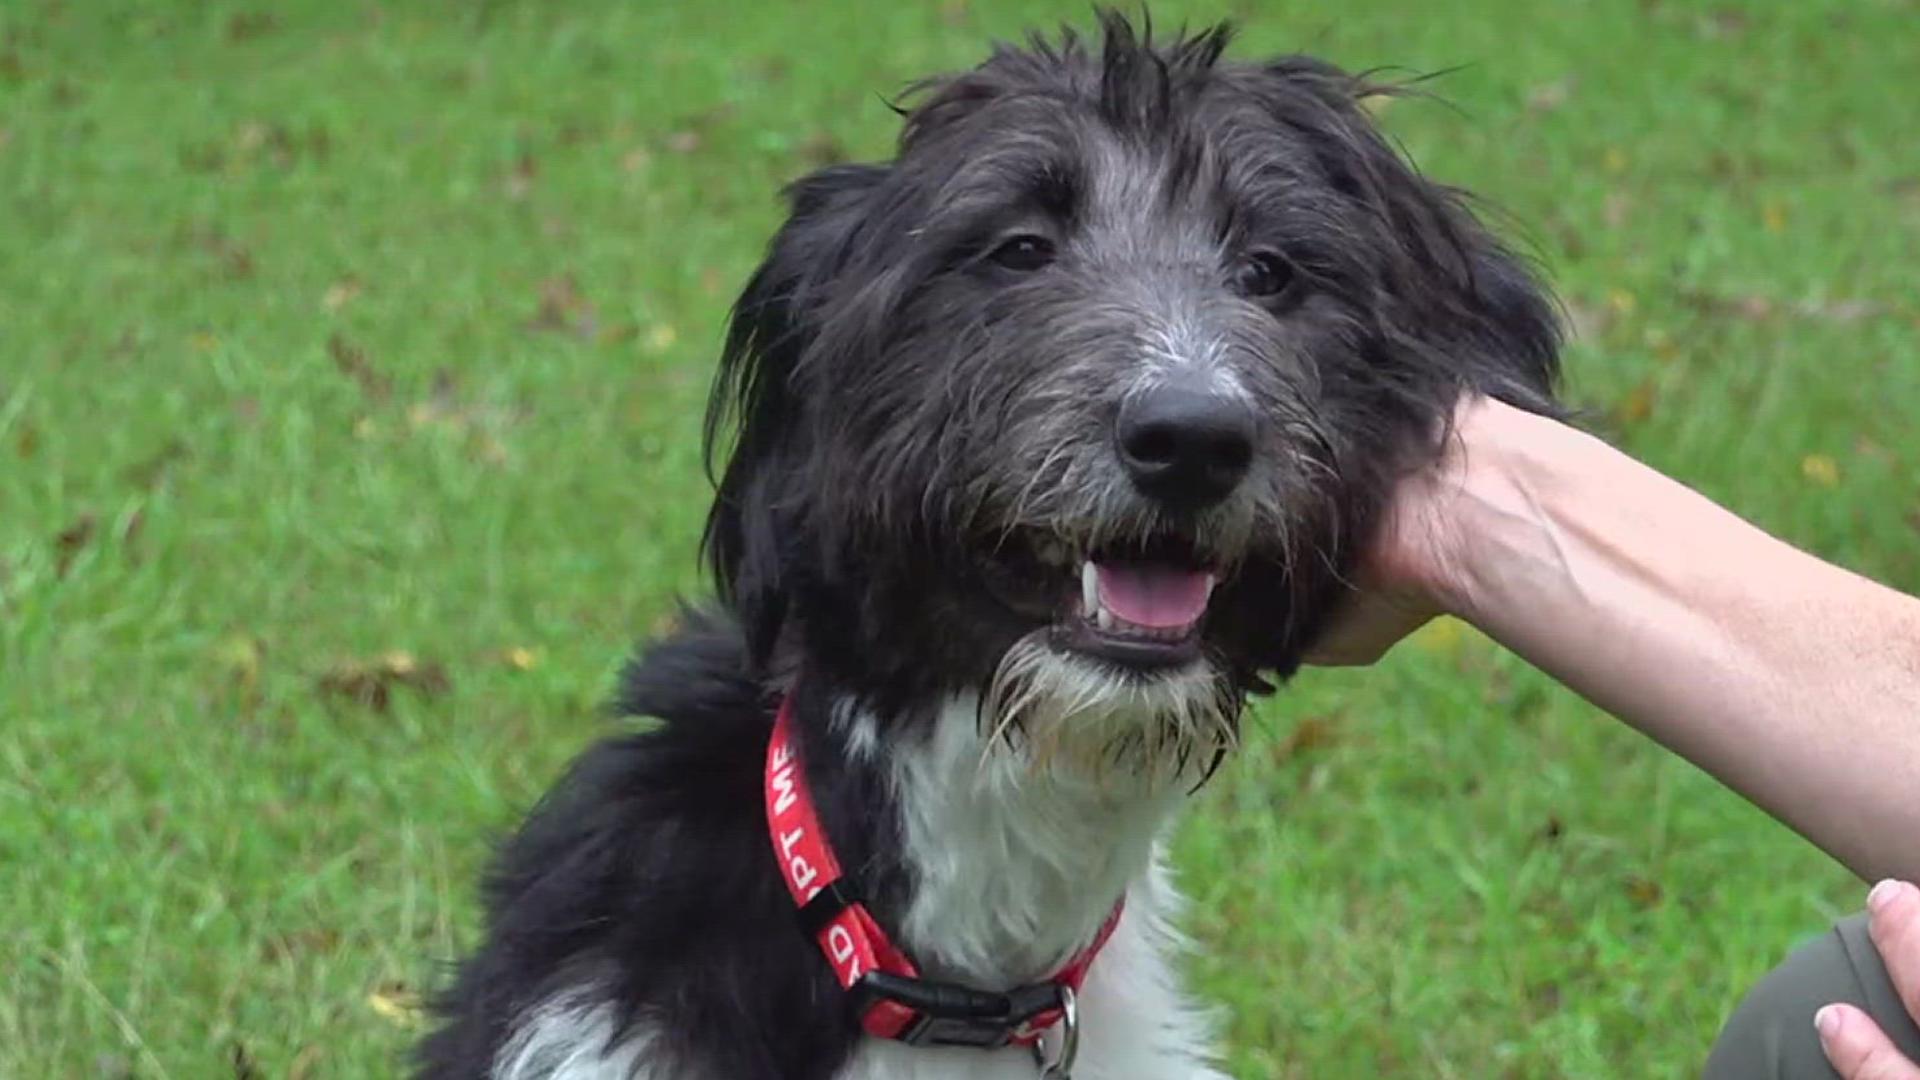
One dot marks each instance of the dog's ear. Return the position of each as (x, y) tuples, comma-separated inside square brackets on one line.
[(1451, 291), (749, 540)]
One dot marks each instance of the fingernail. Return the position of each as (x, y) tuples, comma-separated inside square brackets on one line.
[(1883, 894), (1827, 1020)]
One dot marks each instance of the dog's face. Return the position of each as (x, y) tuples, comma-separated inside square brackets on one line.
[(1088, 398)]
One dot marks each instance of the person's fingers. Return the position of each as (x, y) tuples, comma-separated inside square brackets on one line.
[(1893, 920), (1857, 1047)]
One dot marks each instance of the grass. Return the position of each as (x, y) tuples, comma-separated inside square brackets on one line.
[(351, 358)]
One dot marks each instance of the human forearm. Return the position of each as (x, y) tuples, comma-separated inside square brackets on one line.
[(1794, 682)]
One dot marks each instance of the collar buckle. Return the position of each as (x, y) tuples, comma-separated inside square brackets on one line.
[(949, 1015)]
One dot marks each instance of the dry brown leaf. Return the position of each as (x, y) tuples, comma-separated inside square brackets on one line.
[(1310, 734), (520, 178), (351, 360), (563, 308), (248, 25), (371, 683), (71, 541), (1636, 405)]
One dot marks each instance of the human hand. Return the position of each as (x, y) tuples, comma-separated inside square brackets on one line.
[(1855, 1045), (1411, 572)]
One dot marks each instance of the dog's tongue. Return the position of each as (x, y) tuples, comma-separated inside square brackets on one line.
[(1156, 596)]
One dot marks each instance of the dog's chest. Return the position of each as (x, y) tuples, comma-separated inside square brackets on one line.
[(1135, 1023)]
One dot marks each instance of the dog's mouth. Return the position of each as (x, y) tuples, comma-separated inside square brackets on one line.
[(1138, 612), (1139, 607)]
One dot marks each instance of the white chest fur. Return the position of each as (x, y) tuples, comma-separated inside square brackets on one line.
[(1015, 869)]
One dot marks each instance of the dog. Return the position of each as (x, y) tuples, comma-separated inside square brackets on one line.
[(1042, 447)]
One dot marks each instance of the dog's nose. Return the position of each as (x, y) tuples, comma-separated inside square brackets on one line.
[(1184, 446)]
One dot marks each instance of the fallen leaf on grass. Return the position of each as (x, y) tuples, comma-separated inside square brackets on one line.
[(1756, 308), (520, 658), (1549, 96), (520, 179), (248, 25), (1310, 734), (1821, 469), (27, 444), (1721, 22), (1644, 892), (395, 1002), (71, 541), (1774, 217), (1553, 830), (1614, 208), (1636, 406), (351, 361), (821, 149), (147, 473), (240, 657), (371, 683), (297, 943), (235, 258), (661, 337), (563, 308), (340, 294)]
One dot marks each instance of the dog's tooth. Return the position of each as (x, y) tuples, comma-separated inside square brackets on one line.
[(1102, 617), (1089, 588)]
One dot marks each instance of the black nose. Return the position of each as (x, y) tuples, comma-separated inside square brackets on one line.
[(1183, 446)]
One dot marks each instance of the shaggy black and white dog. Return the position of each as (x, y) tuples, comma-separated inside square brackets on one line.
[(1051, 441)]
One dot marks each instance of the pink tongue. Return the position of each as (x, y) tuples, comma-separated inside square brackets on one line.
[(1159, 597)]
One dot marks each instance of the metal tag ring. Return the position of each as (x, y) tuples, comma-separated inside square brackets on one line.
[(1061, 1067)]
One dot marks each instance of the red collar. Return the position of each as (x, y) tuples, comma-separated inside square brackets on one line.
[(893, 1001)]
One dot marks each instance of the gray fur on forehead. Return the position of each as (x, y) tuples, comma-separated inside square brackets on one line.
[(1132, 82)]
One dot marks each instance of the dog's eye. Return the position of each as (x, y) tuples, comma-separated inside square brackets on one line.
[(1023, 253), (1264, 273)]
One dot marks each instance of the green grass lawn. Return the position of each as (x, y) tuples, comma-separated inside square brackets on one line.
[(351, 364)]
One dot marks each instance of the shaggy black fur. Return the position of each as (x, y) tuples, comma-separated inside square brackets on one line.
[(919, 411)]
